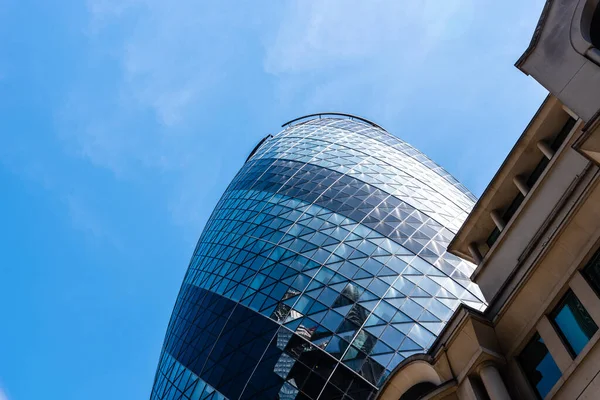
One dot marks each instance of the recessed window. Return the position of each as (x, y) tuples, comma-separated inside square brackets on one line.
[(595, 28), (573, 323), (493, 237), (592, 272), (539, 366)]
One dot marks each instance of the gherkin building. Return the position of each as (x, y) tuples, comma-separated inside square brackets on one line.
[(322, 267)]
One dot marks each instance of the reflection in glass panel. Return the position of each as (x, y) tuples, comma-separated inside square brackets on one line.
[(539, 366), (573, 323)]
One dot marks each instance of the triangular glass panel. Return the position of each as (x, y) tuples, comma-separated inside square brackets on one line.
[(293, 325), (291, 301), (408, 345), (366, 296), (385, 271), (450, 303), (318, 316), (435, 327), (388, 279), (426, 316), (361, 273), (370, 305), (396, 302), (400, 317), (317, 307), (419, 293), (268, 303), (375, 330), (409, 270), (423, 301), (343, 310), (381, 348), (383, 359), (404, 327), (338, 287), (363, 282)]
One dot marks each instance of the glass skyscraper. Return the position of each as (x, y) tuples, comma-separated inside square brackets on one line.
[(322, 267)]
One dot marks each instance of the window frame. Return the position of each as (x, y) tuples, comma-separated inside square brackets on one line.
[(556, 311), (519, 360), (586, 13), (595, 258)]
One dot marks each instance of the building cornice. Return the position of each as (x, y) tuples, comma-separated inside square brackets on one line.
[(461, 240), (536, 36)]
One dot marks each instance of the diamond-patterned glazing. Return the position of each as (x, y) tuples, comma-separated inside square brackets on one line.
[(322, 267)]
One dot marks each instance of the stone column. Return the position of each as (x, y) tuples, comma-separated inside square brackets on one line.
[(554, 343), (494, 385), (545, 149), (587, 296), (497, 218), (521, 185), (475, 253)]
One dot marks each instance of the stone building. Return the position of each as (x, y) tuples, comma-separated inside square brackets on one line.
[(535, 238)]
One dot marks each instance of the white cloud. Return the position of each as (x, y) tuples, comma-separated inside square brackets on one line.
[(141, 77), (442, 66), (330, 33), (3, 395), (387, 50), (154, 71), (159, 65), (165, 66)]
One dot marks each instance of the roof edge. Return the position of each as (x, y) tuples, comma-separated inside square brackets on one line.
[(487, 193), (537, 33), (338, 114)]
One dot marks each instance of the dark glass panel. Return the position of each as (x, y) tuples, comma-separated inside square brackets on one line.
[(537, 171), (313, 385), (592, 272), (331, 392), (360, 390), (595, 28), (539, 366), (562, 135)]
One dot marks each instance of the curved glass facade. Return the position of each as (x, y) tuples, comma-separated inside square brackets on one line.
[(322, 267)]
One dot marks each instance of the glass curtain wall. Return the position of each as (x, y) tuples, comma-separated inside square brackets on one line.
[(322, 267)]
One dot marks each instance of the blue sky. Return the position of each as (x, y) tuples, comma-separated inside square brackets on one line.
[(122, 122)]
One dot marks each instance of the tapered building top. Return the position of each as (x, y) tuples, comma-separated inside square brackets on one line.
[(322, 267)]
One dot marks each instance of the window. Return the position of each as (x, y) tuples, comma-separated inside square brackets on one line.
[(493, 237), (595, 28), (537, 172), (539, 366), (573, 323), (592, 272), (562, 135)]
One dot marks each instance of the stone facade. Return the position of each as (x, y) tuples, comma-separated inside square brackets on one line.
[(535, 237)]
